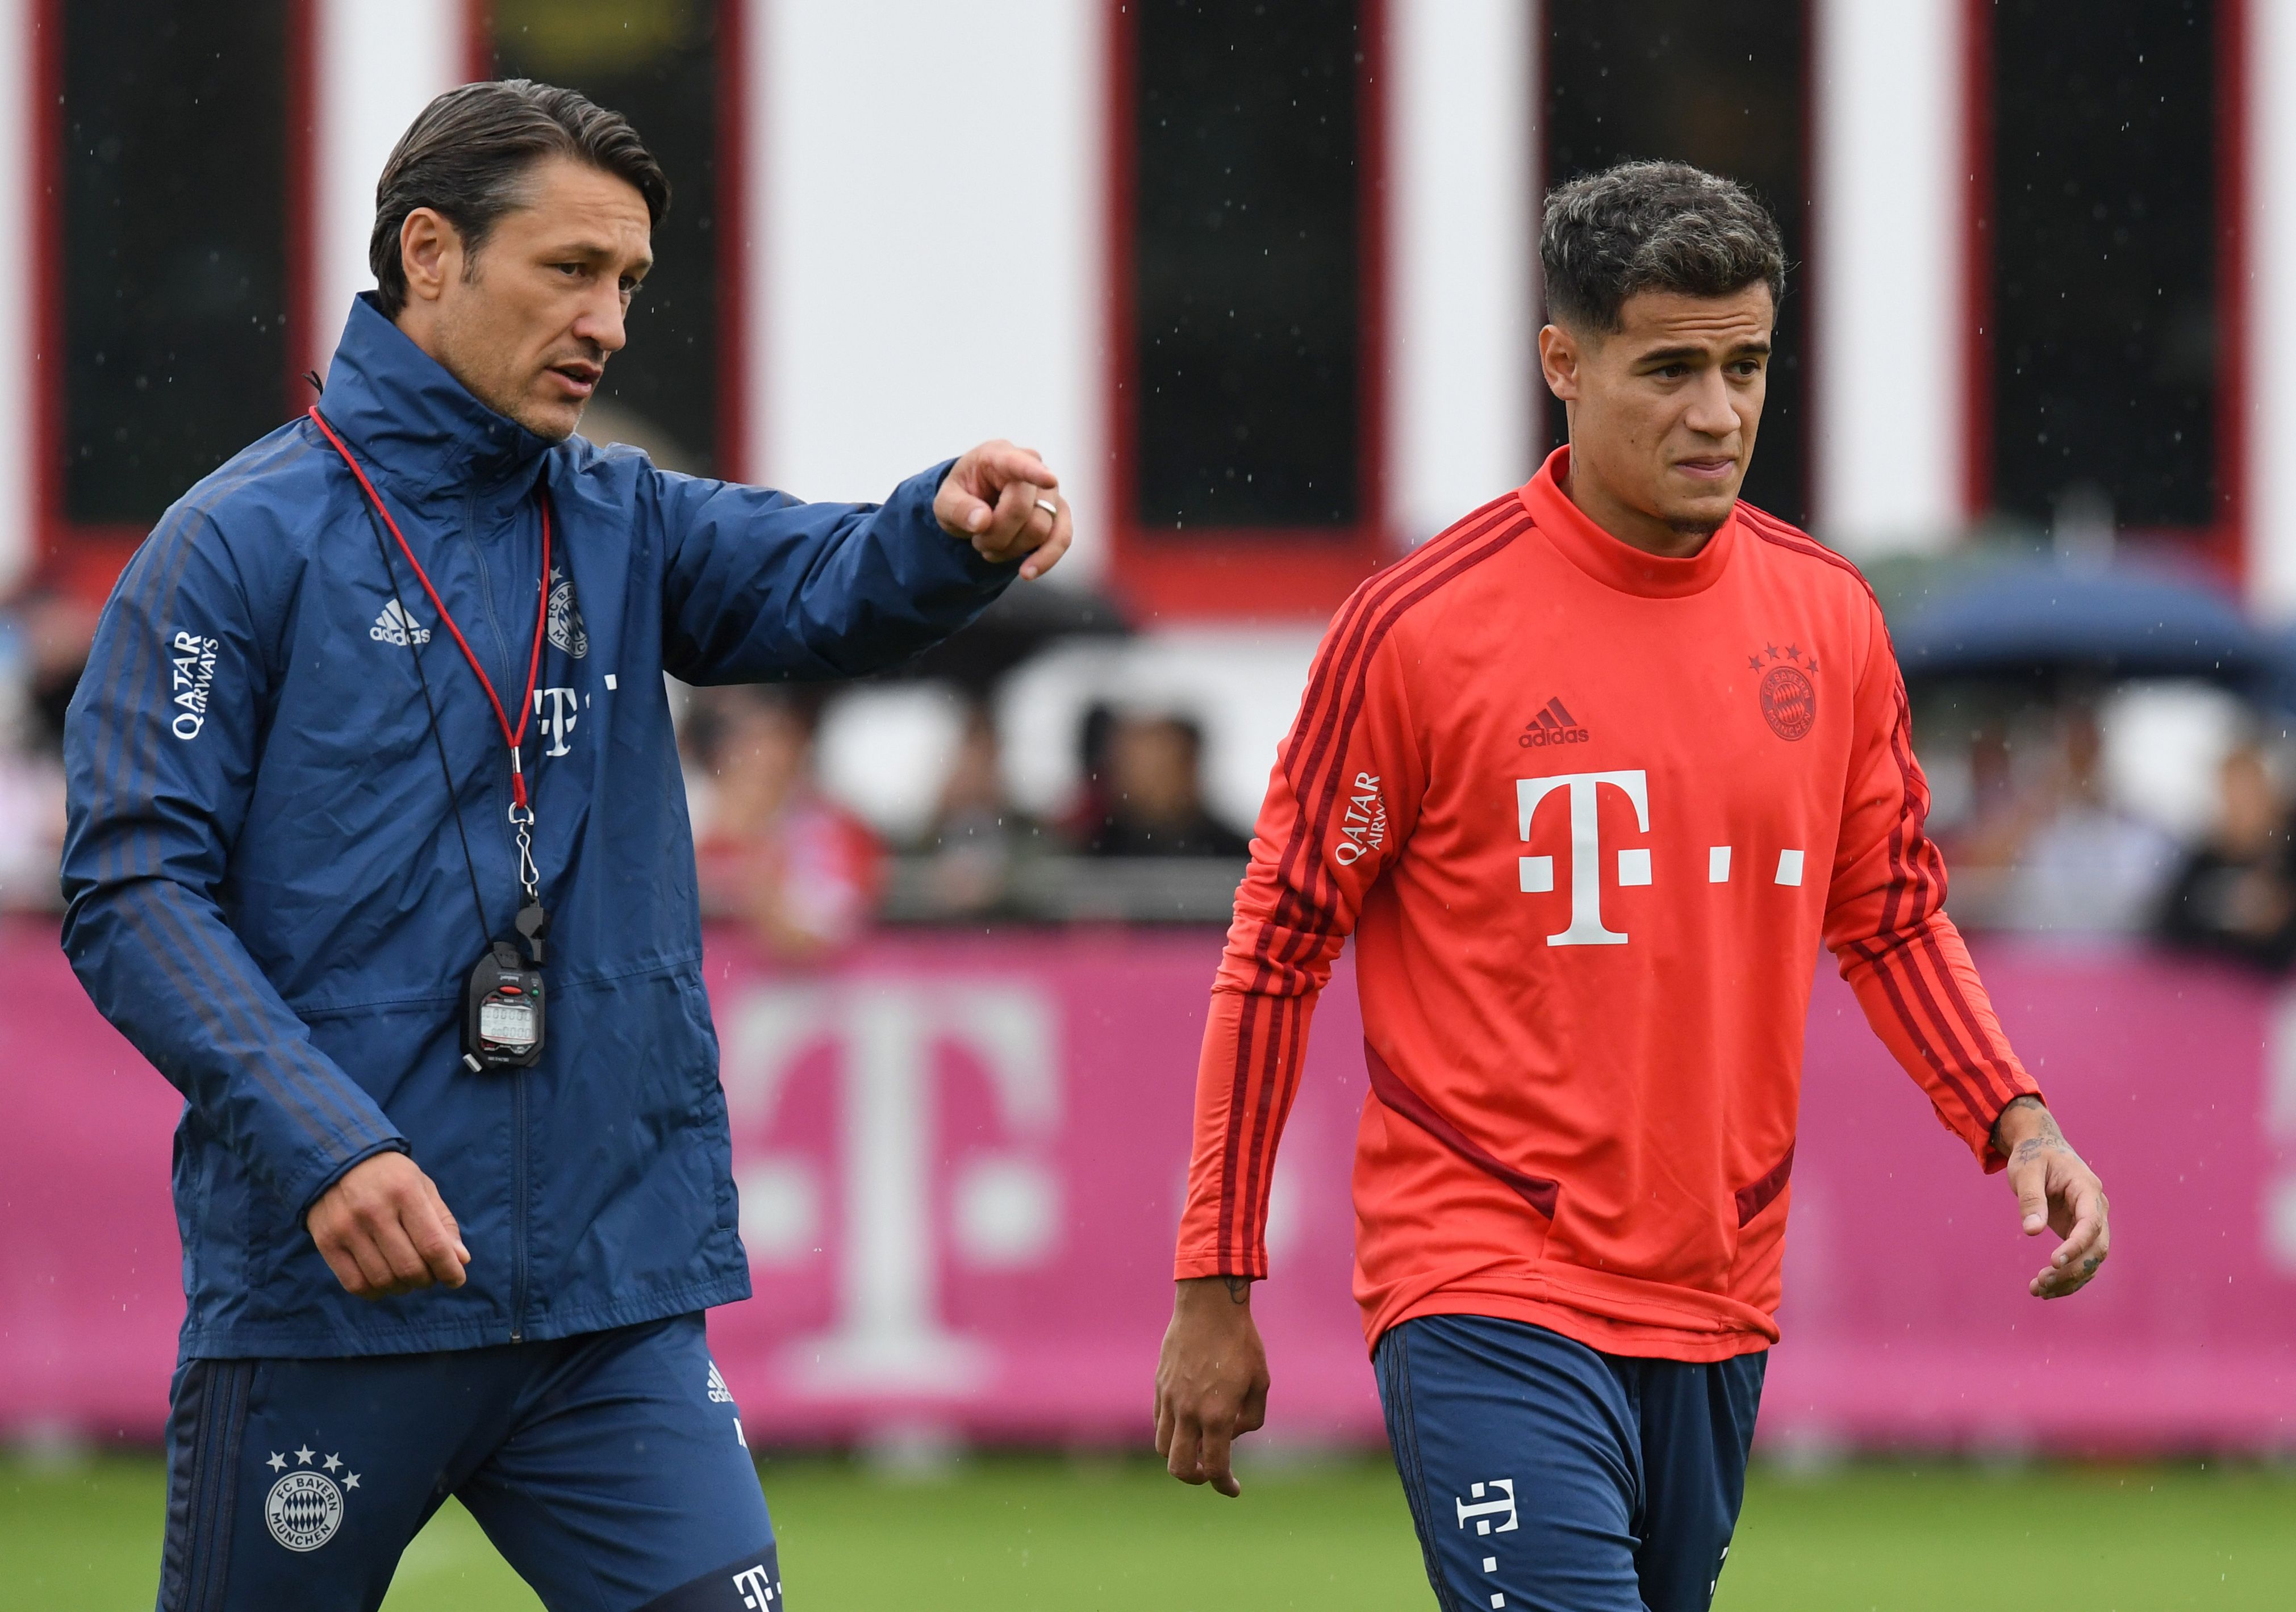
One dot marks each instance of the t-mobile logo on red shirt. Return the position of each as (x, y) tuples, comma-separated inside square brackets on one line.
[(1537, 872)]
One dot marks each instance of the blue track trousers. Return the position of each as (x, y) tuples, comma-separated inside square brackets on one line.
[(610, 1469), (1546, 1476)]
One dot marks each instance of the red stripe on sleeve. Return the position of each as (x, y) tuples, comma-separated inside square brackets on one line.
[(1357, 639), (1231, 1143), (1989, 1063), (1883, 962), (1280, 1083), (1313, 818), (1951, 1052)]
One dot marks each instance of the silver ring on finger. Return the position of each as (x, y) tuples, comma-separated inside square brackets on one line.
[(1049, 507)]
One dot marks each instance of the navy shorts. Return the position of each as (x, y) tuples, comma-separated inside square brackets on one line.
[(610, 1469), (1548, 1476)]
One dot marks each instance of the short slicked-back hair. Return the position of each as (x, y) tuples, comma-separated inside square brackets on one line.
[(1652, 227), (466, 155)]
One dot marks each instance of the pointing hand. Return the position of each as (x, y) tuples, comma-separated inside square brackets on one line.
[(1003, 500)]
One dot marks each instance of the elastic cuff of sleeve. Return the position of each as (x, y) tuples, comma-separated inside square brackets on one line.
[(1987, 1155), (1189, 1268), (336, 1171)]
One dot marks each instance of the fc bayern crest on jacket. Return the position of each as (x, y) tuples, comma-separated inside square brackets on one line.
[(566, 628), (1788, 698), (306, 1506)]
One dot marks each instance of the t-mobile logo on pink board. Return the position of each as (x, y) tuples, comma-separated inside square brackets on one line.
[(911, 1190)]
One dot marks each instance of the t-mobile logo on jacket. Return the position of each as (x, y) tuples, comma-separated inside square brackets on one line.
[(1537, 872)]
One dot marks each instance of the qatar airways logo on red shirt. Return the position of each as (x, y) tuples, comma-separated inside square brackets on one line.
[(1364, 828)]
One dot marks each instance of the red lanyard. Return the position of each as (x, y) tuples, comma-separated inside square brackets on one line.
[(512, 737)]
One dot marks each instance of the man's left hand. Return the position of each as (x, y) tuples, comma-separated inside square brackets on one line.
[(1002, 500), (2055, 1192)]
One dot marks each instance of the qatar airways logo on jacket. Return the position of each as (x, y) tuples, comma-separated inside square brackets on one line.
[(190, 678), (1364, 828)]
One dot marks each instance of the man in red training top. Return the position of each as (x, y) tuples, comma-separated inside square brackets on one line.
[(1589, 777)]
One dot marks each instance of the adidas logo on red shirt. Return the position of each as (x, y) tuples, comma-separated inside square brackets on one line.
[(1552, 725)]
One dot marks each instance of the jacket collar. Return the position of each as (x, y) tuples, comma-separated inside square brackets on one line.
[(414, 424), (1608, 560)]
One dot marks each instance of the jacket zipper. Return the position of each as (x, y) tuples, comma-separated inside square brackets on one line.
[(518, 1186), (518, 1191), (470, 517)]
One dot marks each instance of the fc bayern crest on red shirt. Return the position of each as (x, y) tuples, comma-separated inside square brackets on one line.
[(1788, 698)]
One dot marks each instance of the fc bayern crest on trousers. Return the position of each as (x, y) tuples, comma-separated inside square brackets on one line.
[(305, 1507)]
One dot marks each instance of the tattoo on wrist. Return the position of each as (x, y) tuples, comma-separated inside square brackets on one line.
[(2048, 1136), (1239, 1289)]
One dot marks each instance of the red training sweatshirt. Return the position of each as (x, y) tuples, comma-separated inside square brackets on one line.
[(1589, 814)]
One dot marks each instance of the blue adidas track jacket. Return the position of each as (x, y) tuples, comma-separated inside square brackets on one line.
[(268, 896)]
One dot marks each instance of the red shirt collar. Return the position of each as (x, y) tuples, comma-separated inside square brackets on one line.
[(1608, 560)]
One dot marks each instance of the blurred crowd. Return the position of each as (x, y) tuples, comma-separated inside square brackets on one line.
[(807, 872), (2081, 814), (2103, 815), (44, 639)]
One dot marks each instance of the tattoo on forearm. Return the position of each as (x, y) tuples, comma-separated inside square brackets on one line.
[(1239, 1289)]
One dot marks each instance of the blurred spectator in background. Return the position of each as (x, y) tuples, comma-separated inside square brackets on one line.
[(1147, 791), (800, 871), (43, 645), (2235, 895), (1997, 815), (2085, 866), (57, 631), (977, 839), (1086, 816)]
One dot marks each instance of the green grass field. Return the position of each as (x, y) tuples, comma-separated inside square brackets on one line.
[(1101, 1535)]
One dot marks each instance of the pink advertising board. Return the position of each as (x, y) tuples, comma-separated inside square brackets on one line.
[(961, 1163)]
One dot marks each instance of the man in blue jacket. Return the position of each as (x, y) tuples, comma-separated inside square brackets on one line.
[(381, 700)]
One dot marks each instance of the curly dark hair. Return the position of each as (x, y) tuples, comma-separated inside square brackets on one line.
[(466, 156), (1652, 227)]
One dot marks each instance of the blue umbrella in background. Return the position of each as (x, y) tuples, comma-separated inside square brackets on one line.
[(2278, 685), (2129, 618)]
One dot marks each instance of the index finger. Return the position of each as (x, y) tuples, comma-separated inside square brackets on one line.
[(2029, 1181), (1006, 463)]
